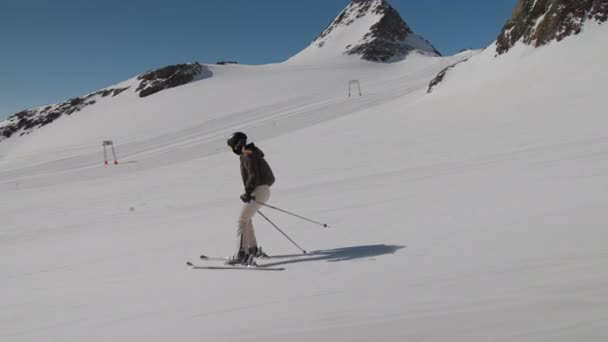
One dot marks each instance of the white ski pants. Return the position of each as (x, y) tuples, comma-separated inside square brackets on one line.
[(245, 233)]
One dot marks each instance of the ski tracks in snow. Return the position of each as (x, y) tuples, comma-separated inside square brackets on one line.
[(207, 137)]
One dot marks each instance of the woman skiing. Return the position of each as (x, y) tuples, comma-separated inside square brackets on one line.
[(257, 178)]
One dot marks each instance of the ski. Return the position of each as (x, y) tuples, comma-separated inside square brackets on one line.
[(236, 267), (214, 258), (220, 258)]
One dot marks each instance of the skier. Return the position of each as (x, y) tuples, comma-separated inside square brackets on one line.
[(257, 179)]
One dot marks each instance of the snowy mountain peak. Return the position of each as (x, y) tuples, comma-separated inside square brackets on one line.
[(371, 29), (538, 22)]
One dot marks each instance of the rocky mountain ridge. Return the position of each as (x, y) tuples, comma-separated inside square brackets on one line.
[(147, 84), (387, 38), (539, 22)]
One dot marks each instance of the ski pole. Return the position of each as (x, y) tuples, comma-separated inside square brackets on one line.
[(292, 214), (279, 229)]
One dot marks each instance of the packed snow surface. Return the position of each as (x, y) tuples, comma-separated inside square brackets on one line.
[(475, 213)]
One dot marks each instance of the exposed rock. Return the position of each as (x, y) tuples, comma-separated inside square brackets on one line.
[(538, 22), (168, 77), (439, 78), (226, 62), (390, 38), (149, 83), (387, 38), (27, 120)]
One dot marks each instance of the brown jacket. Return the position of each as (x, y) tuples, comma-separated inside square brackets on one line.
[(255, 171)]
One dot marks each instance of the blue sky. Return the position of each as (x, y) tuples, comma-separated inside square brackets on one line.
[(52, 50)]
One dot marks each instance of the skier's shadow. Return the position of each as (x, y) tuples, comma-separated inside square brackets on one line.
[(335, 255)]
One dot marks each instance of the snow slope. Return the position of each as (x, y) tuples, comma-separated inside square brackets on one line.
[(264, 100), (476, 213)]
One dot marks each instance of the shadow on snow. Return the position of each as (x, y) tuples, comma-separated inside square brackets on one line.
[(336, 254)]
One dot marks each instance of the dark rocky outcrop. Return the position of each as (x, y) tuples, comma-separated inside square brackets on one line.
[(439, 78), (538, 22), (226, 62), (30, 119), (169, 77), (149, 83), (387, 39)]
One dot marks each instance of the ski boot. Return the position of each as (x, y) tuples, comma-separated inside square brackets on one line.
[(247, 258), (257, 251), (240, 258)]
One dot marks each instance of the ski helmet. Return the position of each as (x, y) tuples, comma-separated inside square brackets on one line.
[(237, 141)]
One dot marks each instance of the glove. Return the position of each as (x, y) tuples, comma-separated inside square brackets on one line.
[(247, 197)]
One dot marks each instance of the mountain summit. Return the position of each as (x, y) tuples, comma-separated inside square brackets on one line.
[(371, 29)]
